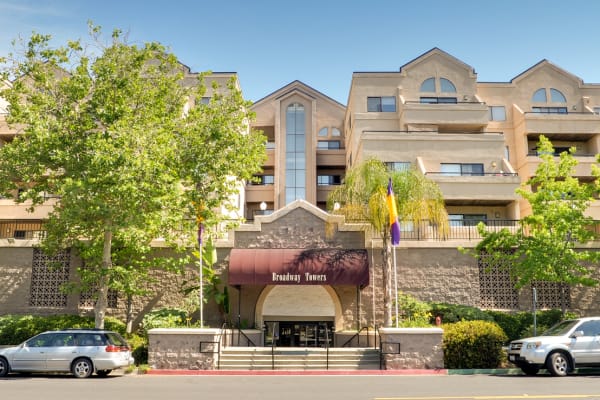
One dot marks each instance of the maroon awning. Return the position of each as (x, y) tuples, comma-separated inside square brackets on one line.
[(298, 267)]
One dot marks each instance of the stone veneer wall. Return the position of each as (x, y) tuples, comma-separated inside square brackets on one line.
[(412, 348), (192, 349)]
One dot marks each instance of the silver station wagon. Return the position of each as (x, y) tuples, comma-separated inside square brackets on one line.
[(78, 351)]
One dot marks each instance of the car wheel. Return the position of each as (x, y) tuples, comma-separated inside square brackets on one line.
[(3, 366), (103, 372), (530, 369), (558, 364), (82, 368)]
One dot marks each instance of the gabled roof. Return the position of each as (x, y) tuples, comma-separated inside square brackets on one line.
[(542, 65), (437, 52), (297, 86)]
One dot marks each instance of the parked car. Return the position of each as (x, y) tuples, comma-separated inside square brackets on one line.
[(565, 346), (79, 351)]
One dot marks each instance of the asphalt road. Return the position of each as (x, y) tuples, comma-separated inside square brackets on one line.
[(347, 387)]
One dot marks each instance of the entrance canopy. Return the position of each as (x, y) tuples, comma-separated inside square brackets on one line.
[(299, 267)]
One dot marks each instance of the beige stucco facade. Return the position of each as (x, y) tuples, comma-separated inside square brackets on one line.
[(476, 140)]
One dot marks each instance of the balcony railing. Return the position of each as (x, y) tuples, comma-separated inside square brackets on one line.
[(499, 173), (22, 229), (464, 230), (422, 230)]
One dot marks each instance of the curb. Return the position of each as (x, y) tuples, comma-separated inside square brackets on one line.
[(182, 372)]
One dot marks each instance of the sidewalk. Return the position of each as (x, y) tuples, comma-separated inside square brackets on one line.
[(177, 372)]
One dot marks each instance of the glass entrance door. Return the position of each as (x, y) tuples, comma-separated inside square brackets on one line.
[(299, 333)]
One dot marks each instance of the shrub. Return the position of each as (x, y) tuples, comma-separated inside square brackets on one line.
[(456, 312), (164, 318), (413, 312), (520, 324), (139, 348), (473, 344), (15, 329)]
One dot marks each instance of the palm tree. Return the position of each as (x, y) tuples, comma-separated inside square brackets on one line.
[(362, 198)]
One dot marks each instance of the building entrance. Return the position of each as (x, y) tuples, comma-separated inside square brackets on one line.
[(299, 333)]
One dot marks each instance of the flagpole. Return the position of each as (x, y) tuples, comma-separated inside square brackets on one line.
[(201, 294), (395, 283)]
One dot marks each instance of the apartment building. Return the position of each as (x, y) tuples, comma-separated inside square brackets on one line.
[(296, 266)]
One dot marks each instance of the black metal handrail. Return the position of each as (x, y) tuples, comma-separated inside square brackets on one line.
[(357, 337), (249, 342)]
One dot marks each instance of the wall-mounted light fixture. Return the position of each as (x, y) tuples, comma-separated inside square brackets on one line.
[(494, 165), (263, 206), (336, 206)]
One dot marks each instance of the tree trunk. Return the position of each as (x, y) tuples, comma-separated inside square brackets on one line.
[(129, 315), (102, 301)]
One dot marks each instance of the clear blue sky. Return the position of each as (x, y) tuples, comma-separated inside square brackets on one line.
[(270, 43)]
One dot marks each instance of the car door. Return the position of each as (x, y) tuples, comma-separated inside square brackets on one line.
[(586, 347), (32, 354), (62, 352)]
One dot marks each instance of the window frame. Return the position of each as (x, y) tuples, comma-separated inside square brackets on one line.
[(377, 104)]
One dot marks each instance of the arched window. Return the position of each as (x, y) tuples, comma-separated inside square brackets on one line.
[(556, 96), (447, 86), (540, 96), (435, 91), (556, 105), (323, 132), (428, 85)]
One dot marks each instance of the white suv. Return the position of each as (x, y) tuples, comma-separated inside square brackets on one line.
[(79, 351), (562, 348)]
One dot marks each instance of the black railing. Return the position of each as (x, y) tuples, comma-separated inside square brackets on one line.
[(226, 328), (425, 230), (357, 337), (21, 229), (454, 174)]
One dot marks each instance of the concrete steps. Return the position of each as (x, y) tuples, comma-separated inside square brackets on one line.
[(298, 358)]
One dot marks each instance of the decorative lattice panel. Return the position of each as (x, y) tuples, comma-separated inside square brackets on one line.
[(552, 294), (47, 277), (87, 299), (497, 289)]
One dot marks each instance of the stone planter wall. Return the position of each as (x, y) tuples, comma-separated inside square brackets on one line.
[(183, 348), (412, 348)]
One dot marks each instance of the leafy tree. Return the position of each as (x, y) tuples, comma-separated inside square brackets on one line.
[(545, 246), (362, 198), (108, 135)]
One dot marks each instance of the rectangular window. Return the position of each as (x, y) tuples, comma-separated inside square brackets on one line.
[(466, 219), (263, 180), (550, 110), (497, 113), (328, 145), (438, 100), (326, 180), (597, 110), (454, 169), (381, 104), (398, 165)]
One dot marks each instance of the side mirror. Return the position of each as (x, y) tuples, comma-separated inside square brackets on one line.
[(577, 334)]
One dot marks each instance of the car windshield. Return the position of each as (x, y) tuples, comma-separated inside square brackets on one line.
[(560, 329)]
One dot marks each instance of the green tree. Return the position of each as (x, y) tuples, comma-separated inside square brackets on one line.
[(108, 135), (545, 247), (362, 198)]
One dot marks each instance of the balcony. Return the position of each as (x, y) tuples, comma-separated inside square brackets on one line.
[(495, 188), (573, 126), (459, 115), (21, 229)]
